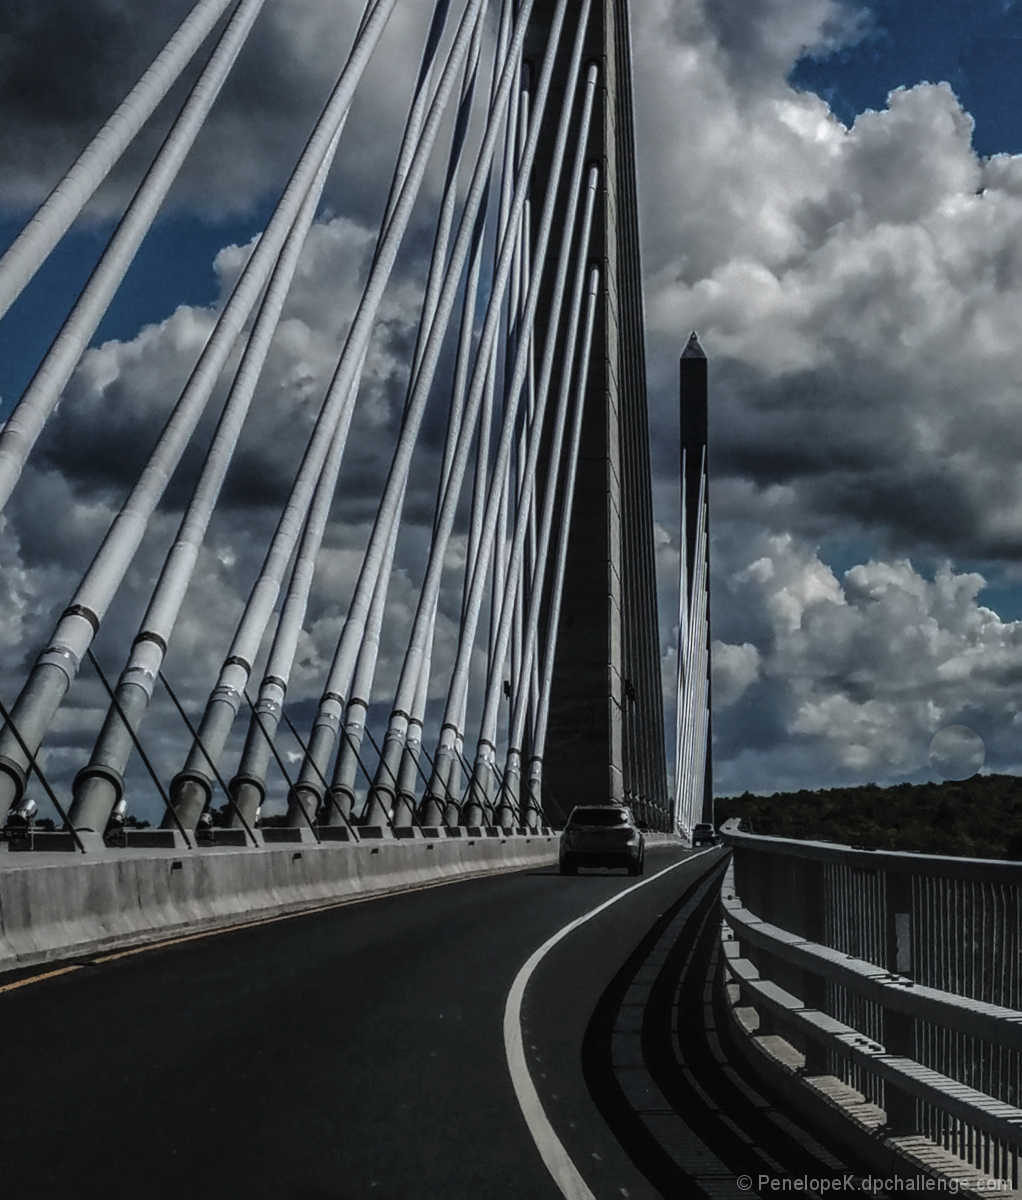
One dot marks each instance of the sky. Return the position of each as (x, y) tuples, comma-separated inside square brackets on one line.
[(829, 193)]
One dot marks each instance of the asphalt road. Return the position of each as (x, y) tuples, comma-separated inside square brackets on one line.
[(358, 1052)]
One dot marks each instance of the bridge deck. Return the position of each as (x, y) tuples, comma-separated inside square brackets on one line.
[(358, 1052)]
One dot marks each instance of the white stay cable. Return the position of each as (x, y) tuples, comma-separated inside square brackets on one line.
[(323, 734), (191, 787), (522, 695), (448, 202), (413, 742), (249, 784), (468, 310), (689, 699), (703, 663), (407, 774), (255, 758), (466, 639), (417, 112), (693, 692), (526, 424), (535, 774), (515, 318), (58, 663), (699, 731), (680, 679), (59, 210), (342, 783), (482, 462), (23, 426), (408, 771), (365, 667), (394, 738), (271, 694), (95, 791), (509, 609)]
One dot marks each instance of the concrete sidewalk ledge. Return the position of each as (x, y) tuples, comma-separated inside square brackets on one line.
[(56, 905)]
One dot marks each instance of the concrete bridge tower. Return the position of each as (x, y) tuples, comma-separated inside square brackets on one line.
[(605, 729)]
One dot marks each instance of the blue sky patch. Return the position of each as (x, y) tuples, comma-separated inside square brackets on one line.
[(174, 266), (974, 45)]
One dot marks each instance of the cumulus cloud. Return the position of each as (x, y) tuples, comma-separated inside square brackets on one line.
[(735, 669), (861, 671), (122, 393), (858, 291)]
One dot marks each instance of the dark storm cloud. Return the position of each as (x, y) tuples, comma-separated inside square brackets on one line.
[(850, 455), (66, 64)]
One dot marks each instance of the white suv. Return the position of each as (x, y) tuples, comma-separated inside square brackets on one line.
[(602, 835), (704, 834)]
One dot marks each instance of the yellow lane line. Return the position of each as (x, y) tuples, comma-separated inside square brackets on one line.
[(18, 983)]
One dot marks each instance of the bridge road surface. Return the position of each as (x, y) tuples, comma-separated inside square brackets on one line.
[(358, 1052)]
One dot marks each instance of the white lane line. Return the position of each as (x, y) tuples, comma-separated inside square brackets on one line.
[(551, 1150)]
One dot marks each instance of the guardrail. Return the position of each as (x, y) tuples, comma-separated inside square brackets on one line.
[(897, 973), (57, 904)]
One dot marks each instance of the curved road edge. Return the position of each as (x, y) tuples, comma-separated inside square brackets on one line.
[(557, 1160)]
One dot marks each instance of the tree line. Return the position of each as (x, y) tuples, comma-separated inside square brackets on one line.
[(979, 817)]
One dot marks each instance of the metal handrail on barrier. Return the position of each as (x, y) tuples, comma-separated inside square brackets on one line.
[(897, 973)]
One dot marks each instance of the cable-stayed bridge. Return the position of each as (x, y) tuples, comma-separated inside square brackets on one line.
[(528, 348), (519, 1034)]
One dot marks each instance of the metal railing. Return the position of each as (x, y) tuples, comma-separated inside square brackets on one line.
[(897, 973)]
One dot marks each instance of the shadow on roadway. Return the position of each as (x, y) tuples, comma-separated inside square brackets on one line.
[(658, 1062)]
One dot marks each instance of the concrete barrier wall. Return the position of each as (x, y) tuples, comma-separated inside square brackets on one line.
[(55, 905)]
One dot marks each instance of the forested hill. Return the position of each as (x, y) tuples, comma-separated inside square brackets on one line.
[(979, 818)]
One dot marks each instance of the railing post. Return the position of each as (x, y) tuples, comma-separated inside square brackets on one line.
[(747, 866), (814, 900), (766, 900), (898, 1028), (754, 884)]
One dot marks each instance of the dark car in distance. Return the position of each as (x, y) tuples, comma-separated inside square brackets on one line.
[(602, 835), (704, 834)]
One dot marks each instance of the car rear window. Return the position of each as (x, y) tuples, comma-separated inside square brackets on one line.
[(598, 816)]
